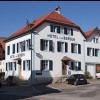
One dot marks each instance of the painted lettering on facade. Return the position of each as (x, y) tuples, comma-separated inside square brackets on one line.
[(18, 55), (63, 37)]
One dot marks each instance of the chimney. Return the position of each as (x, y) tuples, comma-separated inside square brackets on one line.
[(58, 10)]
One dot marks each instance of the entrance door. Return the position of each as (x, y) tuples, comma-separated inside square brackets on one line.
[(20, 67), (64, 68)]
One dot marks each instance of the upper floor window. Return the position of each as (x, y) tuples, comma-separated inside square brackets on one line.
[(46, 45), (26, 65), (61, 30), (90, 51), (95, 40), (8, 50), (28, 43), (97, 52), (75, 48), (13, 48), (62, 46), (75, 66), (46, 65)]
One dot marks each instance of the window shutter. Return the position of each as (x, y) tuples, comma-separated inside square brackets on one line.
[(15, 65), (53, 47), (79, 48), (72, 48), (17, 47), (79, 65), (51, 28), (72, 65), (66, 47), (41, 44), (93, 51), (58, 29), (6, 66), (58, 46), (50, 65), (29, 64), (23, 65), (72, 32), (87, 51), (65, 30), (50, 45), (41, 64)]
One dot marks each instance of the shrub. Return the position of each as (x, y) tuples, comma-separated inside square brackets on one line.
[(87, 75)]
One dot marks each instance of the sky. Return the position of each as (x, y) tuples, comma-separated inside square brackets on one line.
[(13, 14)]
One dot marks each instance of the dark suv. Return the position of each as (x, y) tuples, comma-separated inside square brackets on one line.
[(77, 79)]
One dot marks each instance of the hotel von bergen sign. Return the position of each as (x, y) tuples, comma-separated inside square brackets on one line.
[(63, 37), (18, 55)]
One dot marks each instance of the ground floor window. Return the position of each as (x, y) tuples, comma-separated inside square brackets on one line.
[(26, 65), (11, 66), (75, 66), (46, 65)]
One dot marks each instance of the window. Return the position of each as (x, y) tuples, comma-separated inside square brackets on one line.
[(17, 47), (75, 48), (97, 52), (26, 65), (62, 46), (75, 66), (54, 28), (8, 50), (65, 30), (46, 65), (95, 40), (28, 43), (46, 45), (14, 66), (90, 51), (13, 49)]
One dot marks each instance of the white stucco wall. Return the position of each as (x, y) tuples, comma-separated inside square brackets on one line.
[(2, 65)]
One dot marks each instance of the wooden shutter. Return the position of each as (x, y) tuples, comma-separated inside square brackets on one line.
[(66, 47), (58, 29), (93, 51), (79, 48), (65, 30), (29, 64), (6, 66), (50, 65), (23, 65), (51, 28), (58, 46), (87, 51), (41, 63), (15, 65), (41, 44), (72, 32), (72, 48), (72, 65), (79, 65), (11, 65), (50, 45), (17, 47)]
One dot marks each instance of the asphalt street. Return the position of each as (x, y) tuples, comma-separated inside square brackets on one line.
[(70, 92)]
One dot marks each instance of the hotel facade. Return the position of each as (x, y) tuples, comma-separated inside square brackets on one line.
[(50, 47)]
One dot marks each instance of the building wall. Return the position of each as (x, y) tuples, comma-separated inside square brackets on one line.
[(42, 33), (13, 57), (2, 65)]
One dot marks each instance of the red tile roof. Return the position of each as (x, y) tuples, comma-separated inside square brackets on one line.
[(88, 33), (51, 17), (2, 42)]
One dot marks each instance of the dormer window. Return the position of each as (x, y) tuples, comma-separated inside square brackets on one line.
[(95, 40)]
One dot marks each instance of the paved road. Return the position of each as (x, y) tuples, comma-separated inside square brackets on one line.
[(70, 92)]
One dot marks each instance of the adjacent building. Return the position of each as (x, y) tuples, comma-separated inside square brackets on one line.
[(2, 54)]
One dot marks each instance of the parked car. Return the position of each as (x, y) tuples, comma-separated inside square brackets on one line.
[(97, 75), (76, 79)]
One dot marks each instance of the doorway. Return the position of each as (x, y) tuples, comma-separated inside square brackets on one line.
[(20, 67), (64, 68)]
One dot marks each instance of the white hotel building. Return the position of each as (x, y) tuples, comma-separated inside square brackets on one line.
[(47, 48)]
